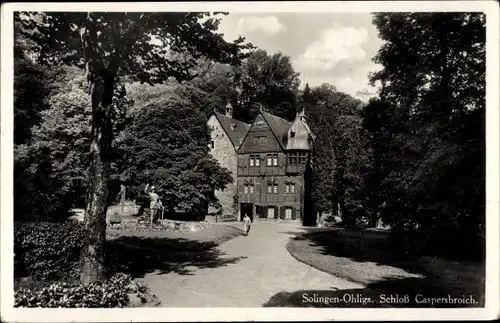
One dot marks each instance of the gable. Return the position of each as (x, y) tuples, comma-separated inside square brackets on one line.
[(234, 129), (279, 127), (260, 138)]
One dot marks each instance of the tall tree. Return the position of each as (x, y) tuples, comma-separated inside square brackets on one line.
[(30, 89), (110, 45), (268, 81), (433, 76), (214, 87), (167, 146), (56, 156), (339, 155)]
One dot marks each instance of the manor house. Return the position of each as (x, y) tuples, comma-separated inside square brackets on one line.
[(271, 163)]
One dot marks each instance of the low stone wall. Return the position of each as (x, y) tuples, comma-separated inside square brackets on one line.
[(184, 226), (141, 224)]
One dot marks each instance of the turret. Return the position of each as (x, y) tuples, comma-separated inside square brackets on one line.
[(299, 133)]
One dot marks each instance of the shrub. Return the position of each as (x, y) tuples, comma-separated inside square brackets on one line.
[(112, 293), (47, 250)]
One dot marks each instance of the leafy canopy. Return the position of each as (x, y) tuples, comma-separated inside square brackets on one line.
[(142, 46), (167, 146), (427, 129)]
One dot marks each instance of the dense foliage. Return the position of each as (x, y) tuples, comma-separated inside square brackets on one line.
[(168, 146), (51, 168), (268, 81), (30, 94), (414, 156), (263, 80), (114, 292), (46, 256), (427, 131), (340, 157), (147, 47)]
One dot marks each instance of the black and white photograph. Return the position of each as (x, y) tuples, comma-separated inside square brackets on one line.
[(250, 161)]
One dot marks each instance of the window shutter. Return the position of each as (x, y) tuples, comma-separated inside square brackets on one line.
[(294, 213), (264, 212), (282, 212), (276, 212)]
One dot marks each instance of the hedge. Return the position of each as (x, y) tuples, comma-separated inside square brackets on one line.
[(112, 293), (47, 250)]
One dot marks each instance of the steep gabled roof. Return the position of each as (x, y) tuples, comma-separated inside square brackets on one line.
[(279, 127), (236, 130)]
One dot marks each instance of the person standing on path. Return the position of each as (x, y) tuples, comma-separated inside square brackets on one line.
[(246, 224)]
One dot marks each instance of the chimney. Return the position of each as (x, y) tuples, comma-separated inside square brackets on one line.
[(229, 110)]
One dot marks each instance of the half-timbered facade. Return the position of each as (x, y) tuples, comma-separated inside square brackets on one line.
[(272, 163), (272, 168)]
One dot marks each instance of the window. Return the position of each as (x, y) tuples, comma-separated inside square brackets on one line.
[(302, 158), (272, 159), (297, 158), (248, 188), (290, 188), (288, 213), (212, 144), (272, 188), (254, 160), (270, 212), (260, 140)]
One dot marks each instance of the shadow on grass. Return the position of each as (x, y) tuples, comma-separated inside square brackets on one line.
[(364, 256), (138, 256), (362, 298)]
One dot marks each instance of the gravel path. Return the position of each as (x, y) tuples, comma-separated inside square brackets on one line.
[(264, 269)]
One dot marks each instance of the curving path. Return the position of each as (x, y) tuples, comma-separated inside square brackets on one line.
[(268, 269)]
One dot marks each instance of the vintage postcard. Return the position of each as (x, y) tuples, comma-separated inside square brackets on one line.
[(250, 161)]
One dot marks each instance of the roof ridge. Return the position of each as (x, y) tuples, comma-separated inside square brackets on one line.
[(275, 116), (223, 115)]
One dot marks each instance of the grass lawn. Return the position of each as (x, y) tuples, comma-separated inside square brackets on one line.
[(363, 256), (176, 240), (138, 253)]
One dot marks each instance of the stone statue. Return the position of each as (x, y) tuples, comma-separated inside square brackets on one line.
[(155, 204)]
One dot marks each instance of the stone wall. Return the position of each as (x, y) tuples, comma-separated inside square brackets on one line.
[(225, 153)]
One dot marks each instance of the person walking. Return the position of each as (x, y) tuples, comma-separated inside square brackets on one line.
[(246, 224)]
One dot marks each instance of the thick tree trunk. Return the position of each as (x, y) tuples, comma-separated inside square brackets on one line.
[(101, 87), (92, 256)]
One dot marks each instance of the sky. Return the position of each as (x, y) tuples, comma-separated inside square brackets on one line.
[(333, 48)]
